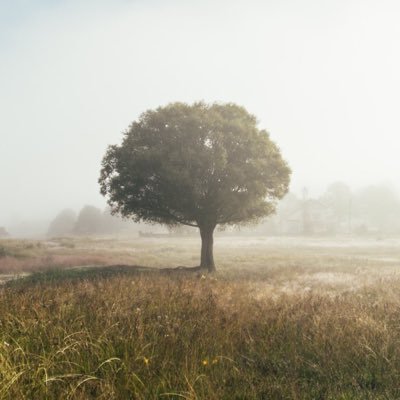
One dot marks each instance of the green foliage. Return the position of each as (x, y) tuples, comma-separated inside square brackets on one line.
[(198, 165)]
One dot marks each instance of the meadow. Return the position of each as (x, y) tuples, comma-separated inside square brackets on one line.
[(283, 318)]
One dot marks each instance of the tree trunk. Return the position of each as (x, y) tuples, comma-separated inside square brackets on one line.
[(207, 243)]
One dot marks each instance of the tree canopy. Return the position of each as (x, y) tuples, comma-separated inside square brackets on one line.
[(198, 165), (63, 224), (89, 221)]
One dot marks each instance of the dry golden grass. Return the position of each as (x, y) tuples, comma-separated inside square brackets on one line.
[(294, 319)]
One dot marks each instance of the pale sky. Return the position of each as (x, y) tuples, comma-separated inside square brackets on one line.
[(323, 77)]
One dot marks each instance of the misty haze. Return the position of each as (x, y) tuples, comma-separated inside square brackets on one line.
[(199, 200)]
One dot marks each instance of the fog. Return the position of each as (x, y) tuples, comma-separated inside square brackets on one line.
[(321, 76)]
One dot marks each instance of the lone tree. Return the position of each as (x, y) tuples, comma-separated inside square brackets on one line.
[(200, 165)]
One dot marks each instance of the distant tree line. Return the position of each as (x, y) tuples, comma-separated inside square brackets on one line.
[(373, 209), (89, 221)]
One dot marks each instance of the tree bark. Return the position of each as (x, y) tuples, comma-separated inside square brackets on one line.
[(207, 248)]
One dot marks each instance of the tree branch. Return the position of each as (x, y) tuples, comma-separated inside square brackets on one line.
[(171, 215)]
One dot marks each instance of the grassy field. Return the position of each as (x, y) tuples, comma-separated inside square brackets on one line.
[(281, 319)]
